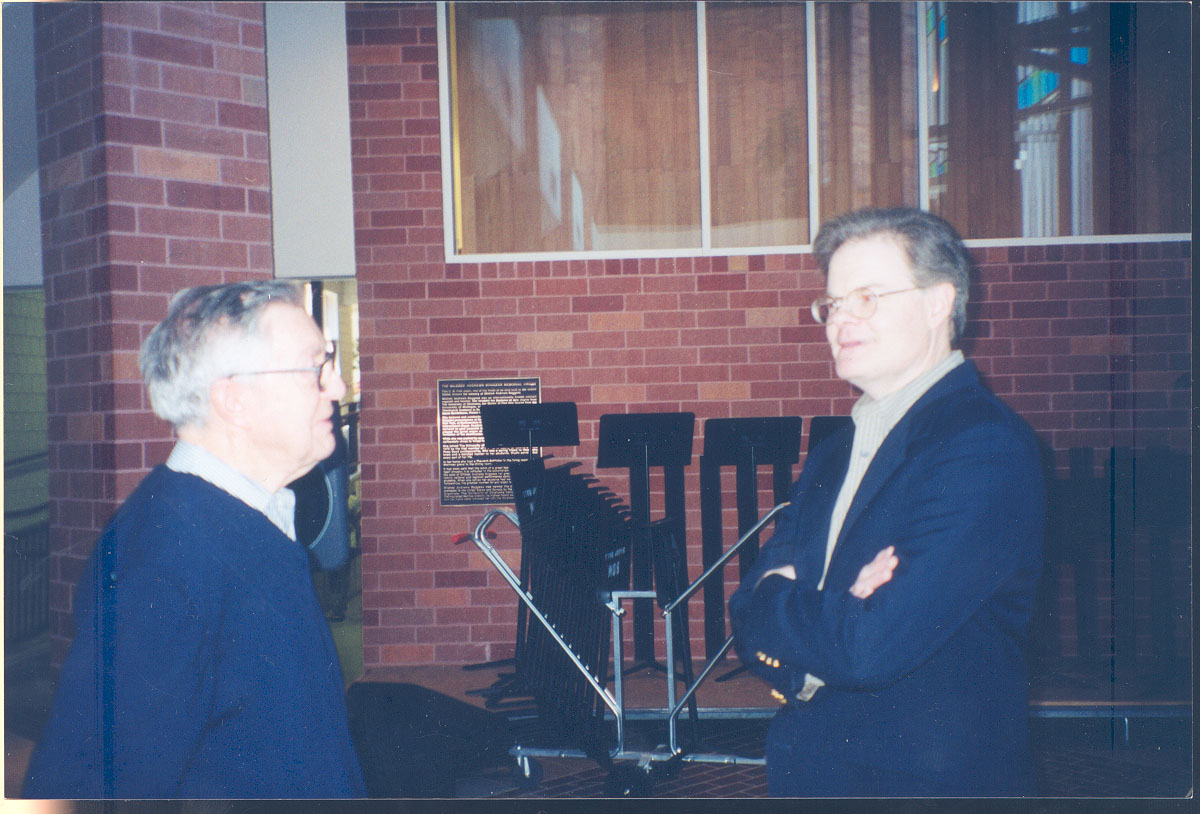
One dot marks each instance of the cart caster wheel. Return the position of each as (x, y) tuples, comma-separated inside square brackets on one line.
[(667, 769), (628, 781), (528, 772)]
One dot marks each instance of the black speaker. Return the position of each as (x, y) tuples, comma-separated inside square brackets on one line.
[(414, 742), (322, 515)]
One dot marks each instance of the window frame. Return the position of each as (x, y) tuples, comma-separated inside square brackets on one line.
[(449, 161)]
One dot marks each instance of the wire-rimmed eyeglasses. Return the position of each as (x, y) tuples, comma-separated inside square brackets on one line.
[(859, 303), (327, 364)]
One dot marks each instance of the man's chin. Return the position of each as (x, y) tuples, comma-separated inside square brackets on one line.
[(844, 369), (326, 447), (304, 469)]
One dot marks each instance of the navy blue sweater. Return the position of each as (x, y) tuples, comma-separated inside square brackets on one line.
[(202, 665)]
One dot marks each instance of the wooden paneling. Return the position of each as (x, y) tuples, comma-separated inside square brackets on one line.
[(866, 105), (758, 137), (983, 196), (1161, 193), (1116, 143), (615, 85)]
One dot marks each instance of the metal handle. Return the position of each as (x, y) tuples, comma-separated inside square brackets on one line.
[(716, 566), (479, 538)]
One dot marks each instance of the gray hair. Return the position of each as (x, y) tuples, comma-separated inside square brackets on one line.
[(935, 251), (210, 332)]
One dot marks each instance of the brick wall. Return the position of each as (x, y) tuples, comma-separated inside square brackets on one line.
[(153, 147), (153, 152), (1092, 346), (1090, 343)]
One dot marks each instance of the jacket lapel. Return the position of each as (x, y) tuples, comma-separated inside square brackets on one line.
[(894, 449), (886, 461), (822, 493)]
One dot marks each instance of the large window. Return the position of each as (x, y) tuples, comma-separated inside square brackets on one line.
[(575, 126), (586, 127), (1050, 119)]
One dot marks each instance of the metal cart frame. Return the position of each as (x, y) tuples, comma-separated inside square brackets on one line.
[(615, 700)]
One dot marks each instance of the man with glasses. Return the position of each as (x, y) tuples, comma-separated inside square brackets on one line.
[(889, 609), (202, 665)]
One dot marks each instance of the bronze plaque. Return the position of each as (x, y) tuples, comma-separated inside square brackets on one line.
[(470, 473)]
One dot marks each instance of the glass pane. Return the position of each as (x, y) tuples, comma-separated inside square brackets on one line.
[(1050, 119), (866, 105), (1160, 145), (575, 126), (758, 132)]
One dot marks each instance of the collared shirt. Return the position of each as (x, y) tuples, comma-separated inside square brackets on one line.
[(280, 507), (873, 420)]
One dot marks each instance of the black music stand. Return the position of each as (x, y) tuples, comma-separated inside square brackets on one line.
[(745, 443), (551, 424), (669, 554), (638, 441), (548, 424), (823, 426)]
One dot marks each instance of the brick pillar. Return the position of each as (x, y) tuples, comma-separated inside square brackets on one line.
[(396, 155), (152, 130)]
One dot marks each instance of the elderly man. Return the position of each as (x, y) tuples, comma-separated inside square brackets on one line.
[(912, 683), (202, 665)]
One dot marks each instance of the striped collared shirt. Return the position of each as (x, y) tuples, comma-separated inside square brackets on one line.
[(280, 507)]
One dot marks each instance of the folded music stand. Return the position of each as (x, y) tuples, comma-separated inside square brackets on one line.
[(546, 424), (637, 442), (745, 443)]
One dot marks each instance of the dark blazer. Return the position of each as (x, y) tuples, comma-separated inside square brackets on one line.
[(202, 665), (926, 680)]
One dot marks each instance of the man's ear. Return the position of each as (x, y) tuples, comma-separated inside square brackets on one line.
[(941, 302), (227, 401)]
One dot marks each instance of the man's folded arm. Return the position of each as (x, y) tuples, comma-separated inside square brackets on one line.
[(972, 528)]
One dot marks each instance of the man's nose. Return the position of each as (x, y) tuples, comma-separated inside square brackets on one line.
[(335, 386), (839, 315)]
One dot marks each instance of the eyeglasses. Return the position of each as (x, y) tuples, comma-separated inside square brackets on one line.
[(859, 303), (327, 364)]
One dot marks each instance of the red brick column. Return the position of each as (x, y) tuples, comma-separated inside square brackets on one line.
[(411, 615), (152, 130)]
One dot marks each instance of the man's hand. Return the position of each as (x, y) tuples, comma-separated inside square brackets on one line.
[(875, 573)]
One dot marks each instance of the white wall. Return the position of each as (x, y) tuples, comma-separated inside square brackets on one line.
[(22, 212), (308, 103)]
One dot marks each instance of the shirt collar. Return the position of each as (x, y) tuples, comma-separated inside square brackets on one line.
[(892, 407), (279, 507)]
